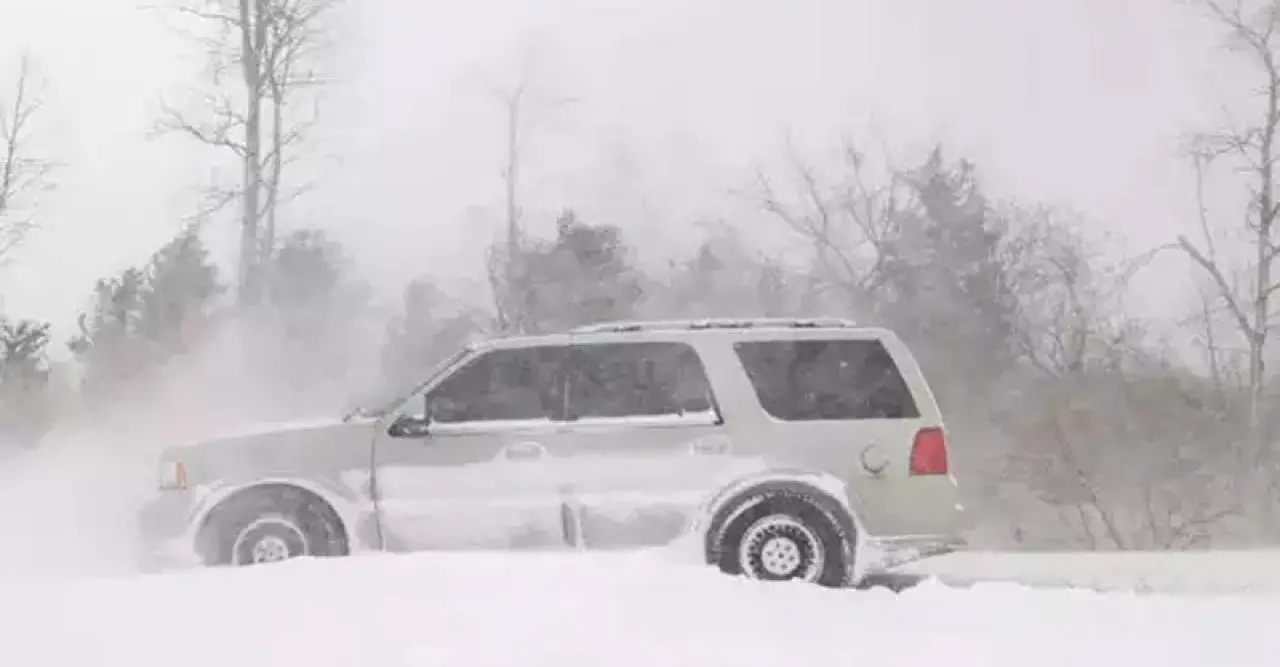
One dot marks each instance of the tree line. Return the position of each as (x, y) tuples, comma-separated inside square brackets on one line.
[(1075, 422)]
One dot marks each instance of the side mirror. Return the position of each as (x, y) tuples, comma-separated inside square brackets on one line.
[(409, 426)]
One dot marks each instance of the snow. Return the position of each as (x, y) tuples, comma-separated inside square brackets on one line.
[(1182, 573), (571, 610)]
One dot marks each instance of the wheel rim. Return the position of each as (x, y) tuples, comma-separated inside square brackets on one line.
[(781, 547), (269, 550), (269, 540)]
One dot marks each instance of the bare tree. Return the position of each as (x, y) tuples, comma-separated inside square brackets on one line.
[(23, 174), (270, 49), (524, 104), (1251, 147), (1071, 310), (846, 222)]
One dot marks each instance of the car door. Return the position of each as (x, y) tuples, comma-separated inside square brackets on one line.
[(474, 474), (643, 443)]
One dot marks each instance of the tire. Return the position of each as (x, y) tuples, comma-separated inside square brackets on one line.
[(783, 535), (271, 526)]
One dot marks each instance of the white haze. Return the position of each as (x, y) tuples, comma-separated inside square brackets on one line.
[(1078, 102)]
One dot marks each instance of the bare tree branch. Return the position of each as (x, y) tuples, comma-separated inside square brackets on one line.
[(847, 224), (524, 105), (223, 129), (1252, 33), (22, 173)]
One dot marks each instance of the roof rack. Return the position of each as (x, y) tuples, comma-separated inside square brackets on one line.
[(728, 323)]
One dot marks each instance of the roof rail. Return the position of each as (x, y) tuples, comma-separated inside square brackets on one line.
[(625, 326)]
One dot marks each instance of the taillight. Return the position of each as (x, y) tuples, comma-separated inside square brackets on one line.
[(929, 452)]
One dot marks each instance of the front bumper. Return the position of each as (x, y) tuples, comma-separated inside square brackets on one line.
[(165, 532)]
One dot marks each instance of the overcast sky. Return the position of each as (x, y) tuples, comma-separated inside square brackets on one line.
[(1078, 102)]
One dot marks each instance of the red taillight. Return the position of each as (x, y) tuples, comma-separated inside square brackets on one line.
[(929, 452)]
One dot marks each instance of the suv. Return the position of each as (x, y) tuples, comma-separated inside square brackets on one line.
[(791, 449)]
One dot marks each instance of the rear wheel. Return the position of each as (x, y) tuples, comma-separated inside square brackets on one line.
[(272, 526), (783, 536)]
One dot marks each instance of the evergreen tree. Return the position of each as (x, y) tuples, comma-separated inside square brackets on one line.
[(26, 408), (182, 285), (142, 317), (945, 285), (316, 321), (584, 275), (429, 328), (725, 278)]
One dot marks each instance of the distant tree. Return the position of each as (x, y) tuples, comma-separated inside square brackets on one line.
[(25, 405), (271, 49), (1248, 149), (1109, 442), (317, 318), (845, 218), (305, 279), (142, 317), (182, 288), (22, 351), (725, 277), (24, 174), (429, 327), (524, 104), (944, 284), (917, 249), (583, 275), (108, 345)]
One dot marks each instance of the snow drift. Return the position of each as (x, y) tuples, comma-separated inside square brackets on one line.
[(571, 610)]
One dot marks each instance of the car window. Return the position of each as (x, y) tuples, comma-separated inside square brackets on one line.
[(503, 385), (812, 380), (624, 380)]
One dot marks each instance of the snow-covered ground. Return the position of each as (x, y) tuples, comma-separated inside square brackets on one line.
[(588, 610), (1180, 573)]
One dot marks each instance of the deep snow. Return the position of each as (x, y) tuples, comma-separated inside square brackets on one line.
[(571, 610)]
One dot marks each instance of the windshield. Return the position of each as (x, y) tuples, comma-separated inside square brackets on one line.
[(392, 400)]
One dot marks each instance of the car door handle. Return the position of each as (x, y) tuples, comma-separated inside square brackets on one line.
[(524, 451), (716, 446)]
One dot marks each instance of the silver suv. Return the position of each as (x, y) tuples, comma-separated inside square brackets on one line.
[(791, 449)]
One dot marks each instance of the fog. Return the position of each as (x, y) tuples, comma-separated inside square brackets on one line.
[(1081, 103)]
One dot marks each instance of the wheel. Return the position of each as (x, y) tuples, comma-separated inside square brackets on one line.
[(268, 539), (784, 536), (268, 527)]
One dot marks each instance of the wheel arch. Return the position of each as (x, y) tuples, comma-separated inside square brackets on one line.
[(733, 499), (328, 501)]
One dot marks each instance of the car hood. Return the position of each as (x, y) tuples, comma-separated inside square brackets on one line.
[(287, 448), (270, 430)]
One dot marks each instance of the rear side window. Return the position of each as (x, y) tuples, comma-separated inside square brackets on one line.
[(812, 380)]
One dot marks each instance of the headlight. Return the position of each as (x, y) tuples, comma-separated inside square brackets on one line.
[(173, 475)]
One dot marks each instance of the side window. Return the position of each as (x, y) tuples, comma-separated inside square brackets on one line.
[(515, 384), (811, 380), (618, 380)]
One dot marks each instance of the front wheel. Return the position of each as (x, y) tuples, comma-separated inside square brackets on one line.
[(269, 527), (268, 539), (784, 536)]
